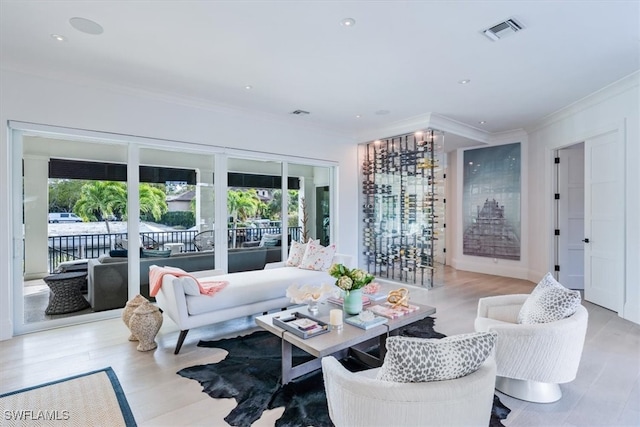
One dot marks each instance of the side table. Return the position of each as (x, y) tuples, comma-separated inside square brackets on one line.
[(74, 266), (175, 248), (66, 295)]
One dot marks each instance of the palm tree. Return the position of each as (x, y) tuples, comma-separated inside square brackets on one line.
[(100, 199), (153, 201), (241, 205)]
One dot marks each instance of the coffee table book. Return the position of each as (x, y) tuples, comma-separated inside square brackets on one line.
[(378, 296), (301, 325), (340, 301), (356, 321), (386, 310)]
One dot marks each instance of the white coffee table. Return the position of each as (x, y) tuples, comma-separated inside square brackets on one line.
[(350, 340)]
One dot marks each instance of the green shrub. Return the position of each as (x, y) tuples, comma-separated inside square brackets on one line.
[(184, 219)]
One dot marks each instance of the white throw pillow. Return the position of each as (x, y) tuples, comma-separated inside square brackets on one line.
[(548, 302), (413, 360), (190, 285), (295, 254), (317, 257)]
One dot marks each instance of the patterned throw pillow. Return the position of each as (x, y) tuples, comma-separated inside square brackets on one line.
[(413, 360), (549, 301), (295, 254), (317, 257)]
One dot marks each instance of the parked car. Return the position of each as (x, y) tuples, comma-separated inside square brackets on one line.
[(63, 217)]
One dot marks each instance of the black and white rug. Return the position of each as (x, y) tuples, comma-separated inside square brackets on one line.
[(251, 374)]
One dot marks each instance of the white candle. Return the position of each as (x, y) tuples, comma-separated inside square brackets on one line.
[(335, 317)]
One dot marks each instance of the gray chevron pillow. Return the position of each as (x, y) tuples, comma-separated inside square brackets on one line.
[(412, 360)]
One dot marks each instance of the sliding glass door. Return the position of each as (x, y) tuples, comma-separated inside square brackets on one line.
[(71, 191), (176, 210), (92, 212)]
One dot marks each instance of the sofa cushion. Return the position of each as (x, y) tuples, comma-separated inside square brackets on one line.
[(250, 287), (271, 240), (548, 302), (189, 285), (410, 360)]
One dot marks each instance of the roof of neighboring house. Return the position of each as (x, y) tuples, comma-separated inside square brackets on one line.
[(184, 197)]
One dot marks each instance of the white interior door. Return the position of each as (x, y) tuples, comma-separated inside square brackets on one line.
[(604, 220), (571, 216)]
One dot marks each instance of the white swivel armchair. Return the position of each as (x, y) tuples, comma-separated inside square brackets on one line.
[(359, 399), (532, 359)]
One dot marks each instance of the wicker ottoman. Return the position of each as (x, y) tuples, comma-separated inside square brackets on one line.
[(66, 295)]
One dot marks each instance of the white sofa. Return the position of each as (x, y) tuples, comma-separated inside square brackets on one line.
[(248, 293)]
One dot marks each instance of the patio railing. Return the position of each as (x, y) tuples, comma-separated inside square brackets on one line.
[(86, 246)]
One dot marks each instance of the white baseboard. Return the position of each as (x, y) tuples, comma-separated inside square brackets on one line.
[(504, 270)]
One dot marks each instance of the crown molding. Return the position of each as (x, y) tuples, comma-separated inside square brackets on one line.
[(614, 89), (400, 127), (448, 125), (515, 135), (424, 121)]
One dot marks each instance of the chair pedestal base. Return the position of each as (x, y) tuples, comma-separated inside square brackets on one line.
[(531, 391)]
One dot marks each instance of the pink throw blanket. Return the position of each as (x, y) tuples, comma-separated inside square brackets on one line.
[(207, 287)]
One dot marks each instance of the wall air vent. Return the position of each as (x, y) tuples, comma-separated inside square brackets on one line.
[(300, 112), (503, 29)]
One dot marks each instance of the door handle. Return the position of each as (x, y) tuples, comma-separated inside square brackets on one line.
[(586, 240)]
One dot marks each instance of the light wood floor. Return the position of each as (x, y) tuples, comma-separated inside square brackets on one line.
[(606, 391)]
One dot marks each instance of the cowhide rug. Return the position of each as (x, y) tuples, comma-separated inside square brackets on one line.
[(251, 374)]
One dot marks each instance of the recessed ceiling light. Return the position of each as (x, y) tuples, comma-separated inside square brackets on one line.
[(348, 22), (248, 87), (482, 122), (382, 112), (464, 82), (86, 26), (58, 37), (358, 116)]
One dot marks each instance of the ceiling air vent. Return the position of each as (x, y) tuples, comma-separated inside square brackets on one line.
[(300, 112), (503, 29)]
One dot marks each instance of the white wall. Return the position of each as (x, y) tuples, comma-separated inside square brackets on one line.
[(39, 100), (614, 107)]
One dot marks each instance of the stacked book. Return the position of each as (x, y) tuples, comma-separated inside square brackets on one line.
[(357, 321), (378, 296), (339, 300), (390, 312), (307, 325)]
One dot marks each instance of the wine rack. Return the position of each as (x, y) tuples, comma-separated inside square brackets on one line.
[(403, 195)]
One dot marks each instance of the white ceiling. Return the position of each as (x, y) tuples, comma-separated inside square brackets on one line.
[(402, 57)]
